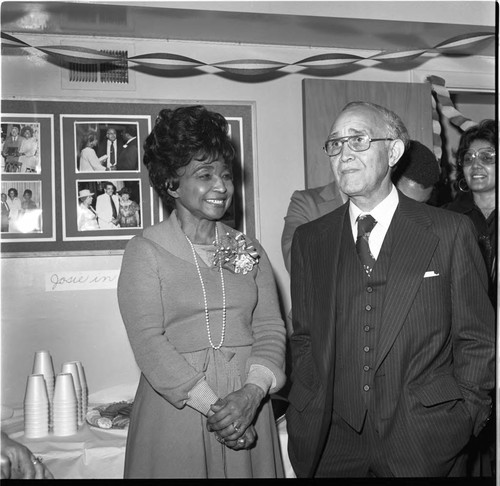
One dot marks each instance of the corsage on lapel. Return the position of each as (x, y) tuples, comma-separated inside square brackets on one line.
[(235, 254)]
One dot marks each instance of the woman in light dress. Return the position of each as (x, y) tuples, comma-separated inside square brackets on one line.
[(89, 161), (28, 151), (200, 307), (87, 217)]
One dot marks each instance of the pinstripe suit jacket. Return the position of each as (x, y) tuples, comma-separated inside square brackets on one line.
[(435, 361)]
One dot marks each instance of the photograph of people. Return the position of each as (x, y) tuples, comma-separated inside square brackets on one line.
[(15, 208), (206, 333), (107, 207), (29, 220), (89, 161), (129, 211), (111, 148), (28, 151), (86, 214), (128, 158), (10, 149), (5, 213)]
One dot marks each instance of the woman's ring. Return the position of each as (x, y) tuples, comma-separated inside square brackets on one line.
[(36, 460), (236, 427), (241, 440)]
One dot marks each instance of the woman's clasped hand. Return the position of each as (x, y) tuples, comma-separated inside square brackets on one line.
[(232, 417)]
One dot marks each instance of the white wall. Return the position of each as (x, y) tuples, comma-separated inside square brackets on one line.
[(86, 325)]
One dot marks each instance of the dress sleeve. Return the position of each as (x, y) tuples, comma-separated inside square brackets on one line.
[(268, 328), (143, 313)]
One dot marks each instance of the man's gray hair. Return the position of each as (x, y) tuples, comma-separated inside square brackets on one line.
[(396, 127)]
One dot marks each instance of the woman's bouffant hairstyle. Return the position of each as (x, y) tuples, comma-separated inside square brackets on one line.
[(89, 138), (26, 129), (179, 136), (485, 130)]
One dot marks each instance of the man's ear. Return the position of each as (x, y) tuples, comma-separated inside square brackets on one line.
[(396, 151)]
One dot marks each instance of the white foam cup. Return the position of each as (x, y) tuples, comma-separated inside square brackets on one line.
[(71, 367), (36, 391), (42, 364), (64, 391)]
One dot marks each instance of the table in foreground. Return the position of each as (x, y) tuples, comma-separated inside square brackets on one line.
[(91, 453), (94, 453)]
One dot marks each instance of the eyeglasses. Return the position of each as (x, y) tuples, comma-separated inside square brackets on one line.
[(358, 143), (485, 155)]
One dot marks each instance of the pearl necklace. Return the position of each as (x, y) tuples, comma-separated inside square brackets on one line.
[(205, 300)]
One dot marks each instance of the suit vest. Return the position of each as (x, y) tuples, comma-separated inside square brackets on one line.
[(360, 300)]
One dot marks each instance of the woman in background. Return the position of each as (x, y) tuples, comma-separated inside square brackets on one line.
[(28, 150), (128, 214), (89, 161), (200, 306), (86, 215), (476, 178)]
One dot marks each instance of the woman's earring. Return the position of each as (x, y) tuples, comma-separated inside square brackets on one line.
[(461, 183)]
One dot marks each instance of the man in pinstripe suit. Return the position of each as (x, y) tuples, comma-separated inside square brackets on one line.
[(390, 369)]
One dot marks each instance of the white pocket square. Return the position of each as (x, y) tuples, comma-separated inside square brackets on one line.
[(431, 273)]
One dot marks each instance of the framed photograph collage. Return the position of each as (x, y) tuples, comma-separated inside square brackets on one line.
[(73, 178)]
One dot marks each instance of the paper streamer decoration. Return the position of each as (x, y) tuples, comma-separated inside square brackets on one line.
[(168, 62), (441, 99)]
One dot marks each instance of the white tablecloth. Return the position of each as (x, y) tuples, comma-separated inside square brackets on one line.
[(94, 453)]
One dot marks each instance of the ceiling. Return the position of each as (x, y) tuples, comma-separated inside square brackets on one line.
[(368, 27)]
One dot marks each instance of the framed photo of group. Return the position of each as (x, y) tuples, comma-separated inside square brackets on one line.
[(27, 182), (73, 178)]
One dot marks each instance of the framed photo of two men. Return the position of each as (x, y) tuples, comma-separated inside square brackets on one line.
[(83, 179)]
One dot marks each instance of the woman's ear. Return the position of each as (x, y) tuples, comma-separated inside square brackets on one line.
[(396, 151), (171, 191)]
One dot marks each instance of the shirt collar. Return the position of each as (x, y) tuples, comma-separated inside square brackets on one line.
[(382, 213)]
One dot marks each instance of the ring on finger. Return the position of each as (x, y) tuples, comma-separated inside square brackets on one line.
[(37, 460), (236, 427), (241, 441)]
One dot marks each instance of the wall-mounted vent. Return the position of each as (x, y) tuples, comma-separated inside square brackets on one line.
[(104, 72), (107, 75)]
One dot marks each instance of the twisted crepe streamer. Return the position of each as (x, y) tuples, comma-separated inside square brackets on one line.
[(248, 67), (441, 98)]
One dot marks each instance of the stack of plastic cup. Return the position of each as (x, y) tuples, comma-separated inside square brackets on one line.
[(36, 408), (65, 406), (71, 367), (42, 365), (85, 390)]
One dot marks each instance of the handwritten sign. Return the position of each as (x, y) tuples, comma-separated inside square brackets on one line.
[(81, 280)]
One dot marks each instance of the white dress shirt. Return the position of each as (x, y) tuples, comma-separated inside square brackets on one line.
[(383, 214)]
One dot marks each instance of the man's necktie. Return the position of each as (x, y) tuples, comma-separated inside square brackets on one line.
[(112, 154), (113, 207), (366, 222)]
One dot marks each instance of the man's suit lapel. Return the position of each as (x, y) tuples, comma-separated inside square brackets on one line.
[(412, 249), (326, 255)]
